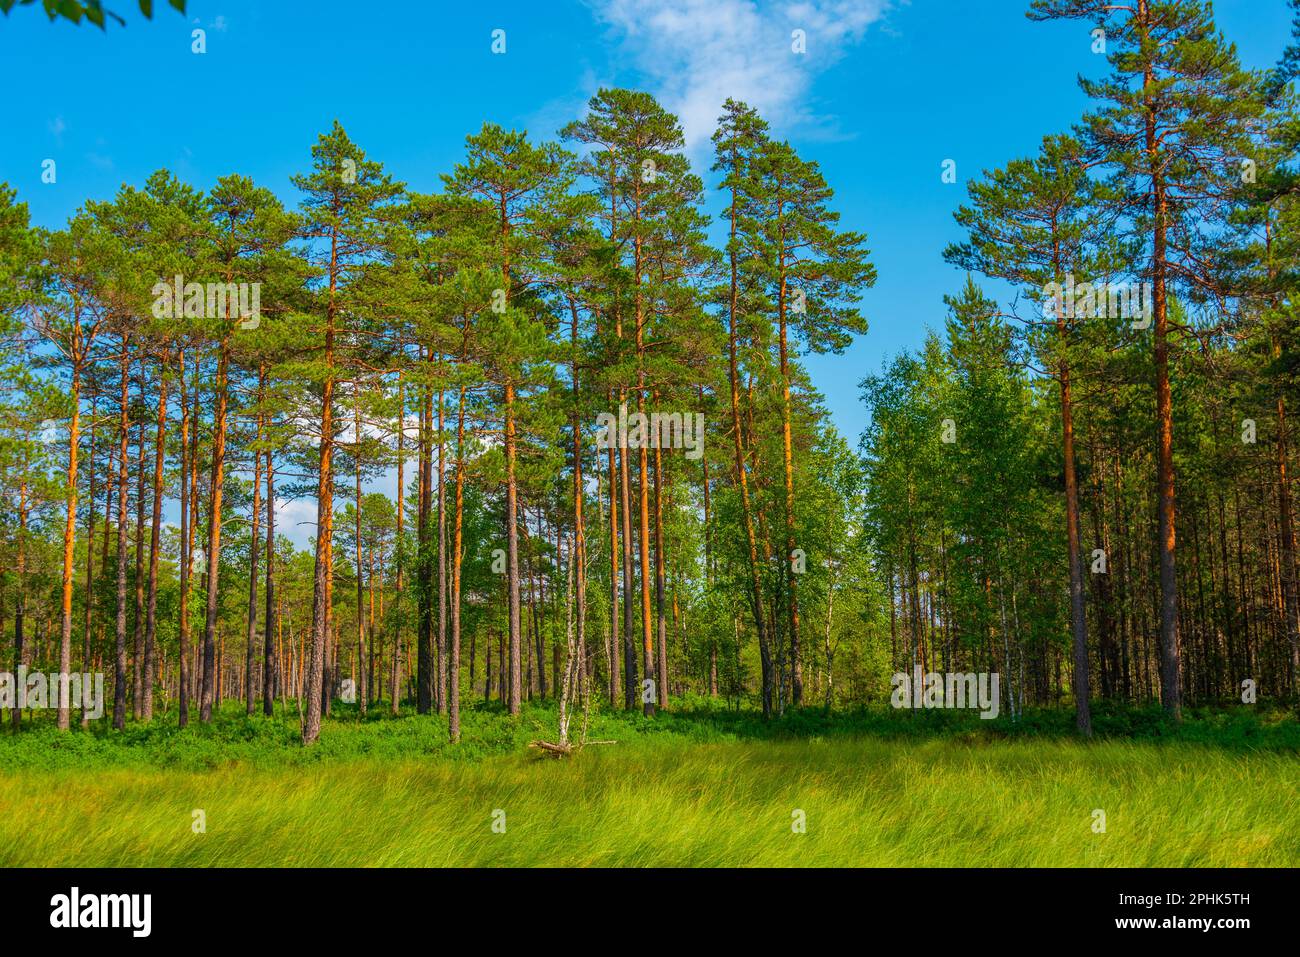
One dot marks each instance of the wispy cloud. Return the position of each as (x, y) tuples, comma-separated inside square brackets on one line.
[(696, 53), (296, 519), (56, 126)]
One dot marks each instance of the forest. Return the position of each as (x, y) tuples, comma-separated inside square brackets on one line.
[(550, 436)]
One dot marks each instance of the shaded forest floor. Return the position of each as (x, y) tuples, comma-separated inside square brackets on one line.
[(236, 739), (697, 786)]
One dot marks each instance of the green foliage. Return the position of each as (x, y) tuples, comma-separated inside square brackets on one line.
[(93, 11)]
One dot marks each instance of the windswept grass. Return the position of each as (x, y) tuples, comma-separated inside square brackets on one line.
[(658, 802), (678, 791)]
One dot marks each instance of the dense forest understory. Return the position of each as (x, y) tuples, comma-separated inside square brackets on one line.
[(557, 453)]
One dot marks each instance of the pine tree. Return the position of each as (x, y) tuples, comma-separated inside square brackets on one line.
[(1039, 222), (347, 211), (1173, 121), (71, 320), (738, 142), (519, 181), (812, 273)]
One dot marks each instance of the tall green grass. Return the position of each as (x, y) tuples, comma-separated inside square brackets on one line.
[(663, 802), (691, 788)]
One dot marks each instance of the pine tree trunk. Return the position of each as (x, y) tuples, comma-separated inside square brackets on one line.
[(250, 646), (512, 555), (189, 506), (401, 545), (442, 563), (322, 587), (270, 661), (69, 539), (660, 584), (20, 599), (1170, 690), (218, 473), (90, 538), (425, 682), (187, 554), (1078, 612), (155, 533), (137, 702), (453, 690), (613, 643), (630, 666), (580, 532), (708, 565), (123, 426), (756, 585), (643, 490), (359, 682), (787, 452)]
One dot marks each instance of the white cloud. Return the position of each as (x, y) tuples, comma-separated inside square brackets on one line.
[(696, 53), (296, 519)]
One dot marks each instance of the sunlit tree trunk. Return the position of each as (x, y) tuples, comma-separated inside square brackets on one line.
[(123, 428), (155, 532), (218, 476), (69, 531)]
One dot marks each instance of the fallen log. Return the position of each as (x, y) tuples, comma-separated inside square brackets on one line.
[(562, 750), (558, 750)]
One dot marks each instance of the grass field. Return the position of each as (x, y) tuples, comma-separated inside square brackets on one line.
[(696, 787)]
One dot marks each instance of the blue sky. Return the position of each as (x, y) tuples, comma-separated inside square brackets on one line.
[(884, 94)]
